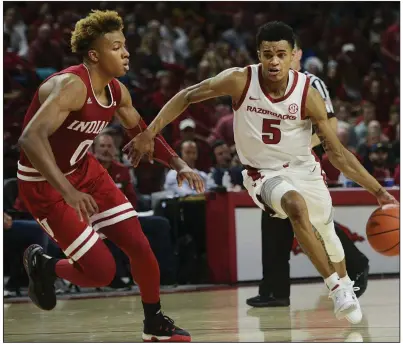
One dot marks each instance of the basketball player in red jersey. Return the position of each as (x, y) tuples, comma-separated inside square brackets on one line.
[(70, 194), (274, 110)]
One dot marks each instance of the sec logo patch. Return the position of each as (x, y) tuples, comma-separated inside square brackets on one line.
[(293, 109)]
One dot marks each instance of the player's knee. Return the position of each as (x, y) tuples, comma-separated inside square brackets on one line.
[(294, 206), (333, 246)]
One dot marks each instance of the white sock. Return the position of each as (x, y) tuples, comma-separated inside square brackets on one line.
[(332, 281), (345, 280)]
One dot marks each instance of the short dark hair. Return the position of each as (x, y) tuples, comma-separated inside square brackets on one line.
[(217, 143), (275, 31)]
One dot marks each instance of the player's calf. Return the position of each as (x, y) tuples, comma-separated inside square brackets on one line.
[(41, 289), (293, 204)]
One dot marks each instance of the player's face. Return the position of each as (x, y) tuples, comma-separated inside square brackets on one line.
[(104, 148), (276, 58), (112, 54)]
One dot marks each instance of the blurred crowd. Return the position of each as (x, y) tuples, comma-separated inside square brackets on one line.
[(353, 47)]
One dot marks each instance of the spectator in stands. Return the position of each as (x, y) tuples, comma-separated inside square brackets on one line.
[(376, 162), (313, 65), (45, 53), (221, 161), (188, 152), (187, 129), (177, 38), (381, 98), (348, 73), (236, 35), (132, 37), (332, 173), (16, 30), (390, 48), (224, 130), (156, 228), (197, 46), (390, 128), (167, 89), (236, 173), (147, 55), (374, 136), (368, 115)]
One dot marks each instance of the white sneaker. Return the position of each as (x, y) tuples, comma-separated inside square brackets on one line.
[(343, 299), (355, 316)]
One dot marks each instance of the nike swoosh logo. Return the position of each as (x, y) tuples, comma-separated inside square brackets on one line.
[(254, 98)]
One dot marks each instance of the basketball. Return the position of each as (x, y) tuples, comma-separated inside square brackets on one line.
[(383, 230)]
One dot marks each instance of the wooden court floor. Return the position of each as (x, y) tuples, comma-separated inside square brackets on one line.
[(212, 316)]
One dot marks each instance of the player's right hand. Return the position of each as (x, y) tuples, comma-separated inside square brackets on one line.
[(385, 197), (84, 204), (142, 144)]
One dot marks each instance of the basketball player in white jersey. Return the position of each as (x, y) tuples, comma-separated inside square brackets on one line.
[(274, 110)]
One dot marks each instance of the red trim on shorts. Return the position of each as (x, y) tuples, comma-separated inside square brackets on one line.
[(236, 106), (294, 84), (303, 102), (321, 169), (253, 172)]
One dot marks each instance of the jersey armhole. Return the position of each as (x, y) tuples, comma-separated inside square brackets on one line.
[(236, 106), (118, 91), (304, 95)]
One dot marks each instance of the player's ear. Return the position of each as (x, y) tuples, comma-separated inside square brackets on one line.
[(93, 55)]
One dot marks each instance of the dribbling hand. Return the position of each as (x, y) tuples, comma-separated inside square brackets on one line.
[(385, 197), (83, 204)]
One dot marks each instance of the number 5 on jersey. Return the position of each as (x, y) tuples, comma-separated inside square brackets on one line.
[(271, 135)]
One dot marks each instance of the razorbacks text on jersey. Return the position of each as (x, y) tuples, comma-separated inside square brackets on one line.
[(272, 132), (71, 141)]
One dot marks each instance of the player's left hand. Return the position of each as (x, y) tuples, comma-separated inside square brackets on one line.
[(385, 197), (194, 180), (142, 144)]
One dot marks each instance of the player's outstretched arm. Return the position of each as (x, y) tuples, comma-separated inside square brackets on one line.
[(315, 139), (339, 156), (230, 82), (59, 96), (134, 125)]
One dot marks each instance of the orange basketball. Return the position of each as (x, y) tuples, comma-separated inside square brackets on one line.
[(383, 230)]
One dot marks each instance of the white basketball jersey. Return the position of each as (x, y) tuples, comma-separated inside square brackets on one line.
[(270, 133)]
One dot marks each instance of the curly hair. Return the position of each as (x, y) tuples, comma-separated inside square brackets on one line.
[(88, 29)]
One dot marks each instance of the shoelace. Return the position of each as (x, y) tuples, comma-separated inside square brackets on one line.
[(351, 285), (169, 325), (354, 288)]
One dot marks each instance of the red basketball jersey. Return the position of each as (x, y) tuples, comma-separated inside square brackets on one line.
[(70, 142)]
